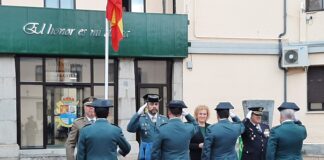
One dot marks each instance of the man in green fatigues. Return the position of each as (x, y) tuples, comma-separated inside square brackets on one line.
[(174, 137), (286, 140), (89, 118), (100, 140), (221, 137), (147, 124)]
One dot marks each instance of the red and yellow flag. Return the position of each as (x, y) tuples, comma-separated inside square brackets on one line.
[(114, 14)]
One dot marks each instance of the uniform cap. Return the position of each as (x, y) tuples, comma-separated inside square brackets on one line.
[(256, 110), (288, 105), (102, 103), (152, 98), (177, 104), (224, 105), (88, 101)]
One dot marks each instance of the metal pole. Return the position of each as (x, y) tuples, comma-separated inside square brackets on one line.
[(106, 58)]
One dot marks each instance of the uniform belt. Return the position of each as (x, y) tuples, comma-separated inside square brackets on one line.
[(145, 151)]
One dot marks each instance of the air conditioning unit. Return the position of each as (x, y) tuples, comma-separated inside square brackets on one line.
[(294, 56)]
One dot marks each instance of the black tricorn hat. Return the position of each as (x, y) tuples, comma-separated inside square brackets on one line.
[(152, 98), (177, 104), (288, 105), (224, 105)]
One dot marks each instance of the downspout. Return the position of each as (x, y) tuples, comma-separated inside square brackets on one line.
[(280, 49)]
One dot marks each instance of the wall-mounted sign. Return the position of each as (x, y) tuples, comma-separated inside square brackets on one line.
[(66, 110)]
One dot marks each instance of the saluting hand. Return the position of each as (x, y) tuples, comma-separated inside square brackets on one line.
[(201, 145), (184, 112), (249, 114), (141, 109)]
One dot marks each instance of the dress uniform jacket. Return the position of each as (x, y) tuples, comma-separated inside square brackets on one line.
[(100, 140), (286, 141), (254, 141), (147, 129), (72, 139), (221, 138), (173, 139), (195, 151)]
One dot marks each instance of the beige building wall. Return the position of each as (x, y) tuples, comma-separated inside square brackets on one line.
[(91, 5), (235, 78), (25, 3)]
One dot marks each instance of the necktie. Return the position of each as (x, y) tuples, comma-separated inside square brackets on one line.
[(92, 121)]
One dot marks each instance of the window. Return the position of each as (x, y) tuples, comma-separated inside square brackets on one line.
[(315, 5), (66, 4), (154, 76), (315, 88), (50, 93), (148, 6)]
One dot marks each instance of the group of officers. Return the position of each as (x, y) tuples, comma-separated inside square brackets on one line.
[(168, 138)]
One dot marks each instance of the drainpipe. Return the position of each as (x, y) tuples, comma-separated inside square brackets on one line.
[(280, 49)]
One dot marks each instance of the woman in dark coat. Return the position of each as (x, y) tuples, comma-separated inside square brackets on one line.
[(197, 141)]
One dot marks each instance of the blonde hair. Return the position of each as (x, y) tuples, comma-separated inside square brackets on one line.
[(199, 108)]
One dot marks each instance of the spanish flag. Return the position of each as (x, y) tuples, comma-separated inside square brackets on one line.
[(114, 15)]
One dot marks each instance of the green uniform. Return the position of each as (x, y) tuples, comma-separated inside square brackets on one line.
[(100, 140), (221, 138), (174, 138), (148, 131), (286, 141)]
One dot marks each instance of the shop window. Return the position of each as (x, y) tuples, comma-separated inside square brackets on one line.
[(65, 4), (31, 116), (98, 71), (67, 70), (315, 5), (315, 88), (152, 71), (48, 106), (31, 70)]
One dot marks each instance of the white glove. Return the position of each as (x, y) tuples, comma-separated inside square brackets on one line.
[(185, 112), (232, 114), (141, 109), (249, 114)]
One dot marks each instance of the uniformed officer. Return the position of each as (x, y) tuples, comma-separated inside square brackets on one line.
[(147, 124), (79, 123), (286, 140), (221, 137), (255, 136), (174, 137), (100, 140)]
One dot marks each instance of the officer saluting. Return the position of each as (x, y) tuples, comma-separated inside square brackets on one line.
[(221, 137), (147, 124), (255, 136), (99, 141), (174, 137), (286, 140)]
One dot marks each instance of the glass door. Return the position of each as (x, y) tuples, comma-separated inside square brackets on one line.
[(64, 105)]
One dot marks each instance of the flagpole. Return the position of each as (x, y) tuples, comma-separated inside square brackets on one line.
[(106, 58)]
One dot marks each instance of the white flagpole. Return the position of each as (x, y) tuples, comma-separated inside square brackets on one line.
[(106, 58)]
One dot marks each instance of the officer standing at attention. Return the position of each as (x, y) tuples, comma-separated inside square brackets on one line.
[(147, 124), (79, 123), (221, 137), (100, 140), (286, 140), (255, 136), (174, 137)]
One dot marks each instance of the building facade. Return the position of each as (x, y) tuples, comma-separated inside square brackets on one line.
[(203, 52)]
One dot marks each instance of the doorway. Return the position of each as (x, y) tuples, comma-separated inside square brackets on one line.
[(64, 105)]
